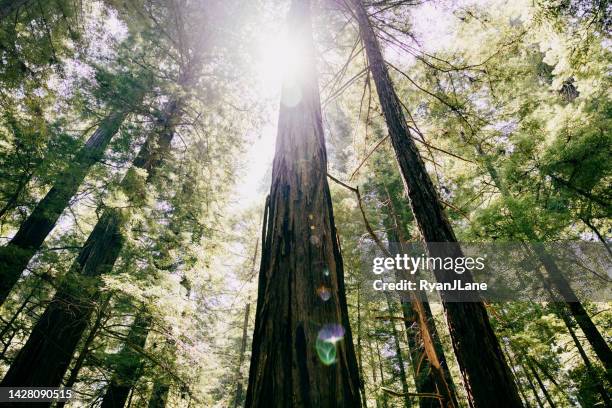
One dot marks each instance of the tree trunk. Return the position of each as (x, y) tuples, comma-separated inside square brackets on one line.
[(364, 399), (159, 396), (80, 360), (130, 363), (398, 350), (16, 255), (239, 388), (431, 373), (44, 359), (302, 354), (486, 375), (541, 384)]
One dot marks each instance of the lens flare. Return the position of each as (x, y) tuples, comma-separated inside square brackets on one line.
[(324, 293), (329, 335)]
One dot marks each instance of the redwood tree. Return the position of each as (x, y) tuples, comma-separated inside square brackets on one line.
[(302, 354), (486, 376), (18, 252)]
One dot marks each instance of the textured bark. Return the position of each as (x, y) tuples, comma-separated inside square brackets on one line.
[(159, 396), (486, 376), (301, 294), (44, 359), (127, 373), (16, 255)]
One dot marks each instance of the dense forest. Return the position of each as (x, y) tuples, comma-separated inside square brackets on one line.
[(192, 191)]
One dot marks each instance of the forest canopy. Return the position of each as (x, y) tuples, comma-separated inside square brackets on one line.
[(196, 197)]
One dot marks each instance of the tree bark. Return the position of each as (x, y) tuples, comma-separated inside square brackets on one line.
[(486, 375), (15, 256), (302, 354), (45, 357), (126, 374)]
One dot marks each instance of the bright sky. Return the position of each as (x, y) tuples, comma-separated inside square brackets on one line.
[(432, 24)]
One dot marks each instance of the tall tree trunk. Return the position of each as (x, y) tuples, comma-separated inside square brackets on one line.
[(398, 350), (486, 375), (302, 354), (541, 384), (364, 400), (16, 255), (516, 376), (239, 388), (80, 360), (159, 395), (430, 369), (44, 359), (130, 363)]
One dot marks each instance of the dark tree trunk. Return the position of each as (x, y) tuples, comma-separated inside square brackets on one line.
[(486, 375), (398, 350), (80, 360), (16, 255), (360, 349), (129, 364), (159, 396), (302, 354), (44, 358), (541, 384), (239, 387), (430, 370)]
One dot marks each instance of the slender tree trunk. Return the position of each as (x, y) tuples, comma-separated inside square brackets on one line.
[(598, 233), (398, 350), (16, 255), (130, 363), (302, 354), (533, 388), (159, 396), (364, 400), (381, 368), (45, 357), (374, 375), (516, 376), (7, 7), (239, 388), (541, 384), (587, 362), (431, 373), (486, 375)]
